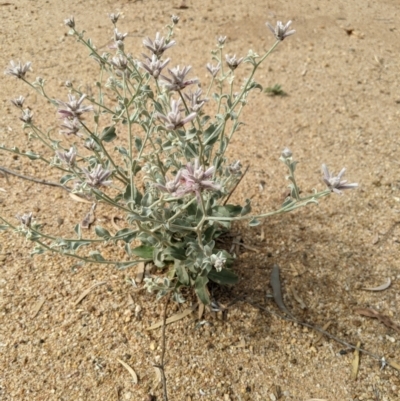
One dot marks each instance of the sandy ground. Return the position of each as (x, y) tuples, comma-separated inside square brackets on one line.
[(341, 73)]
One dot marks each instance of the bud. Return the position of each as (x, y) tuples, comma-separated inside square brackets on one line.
[(114, 17), (70, 22), (174, 19), (221, 40), (286, 153)]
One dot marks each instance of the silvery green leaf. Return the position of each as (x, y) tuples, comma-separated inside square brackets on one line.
[(223, 277), (191, 133), (288, 201), (246, 208), (136, 195), (64, 179), (158, 257), (143, 251), (3, 227), (138, 143), (254, 222), (102, 232), (204, 120), (32, 156), (181, 273), (74, 245), (211, 134), (175, 252), (128, 249), (293, 166), (147, 199), (122, 150), (126, 235), (38, 250), (78, 231), (96, 256), (200, 287), (208, 248), (125, 265), (209, 233), (177, 297), (108, 134)]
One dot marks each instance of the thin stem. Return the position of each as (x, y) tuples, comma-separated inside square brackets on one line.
[(244, 90), (37, 180), (162, 364), (287, 208), (130, 150), (87, 260)]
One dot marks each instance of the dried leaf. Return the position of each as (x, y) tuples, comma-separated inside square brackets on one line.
[(89, 218), (114, 224), (130, 370), (38, 306), (158, 378), (2, 190), (139, 272), (298, 299), (394, 364), (250, 248), (277, 290), (320, 335), (87, 291), (356, 362), (174, 318), (201, 310), (382, 287), (376, 315), (77, 198)]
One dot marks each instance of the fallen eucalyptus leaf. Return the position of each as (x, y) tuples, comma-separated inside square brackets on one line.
[(130, 370), (174, 318), (298, 299), (77, 198), (38, 306), (158, 378), (382, 287), (376, 315), (277, 290), (320, 335), (87, 291), (356, 362)]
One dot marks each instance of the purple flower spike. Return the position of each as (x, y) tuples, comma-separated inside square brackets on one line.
[(195, 102), (178, 79), (233, 62), (73, 108), (334, 183), (281, 31), (154, 65), (25, 219), (172, 185), (70, 127), (97, 177), (17, 69), (196, 180), (173, 120), (68, 158), (159, 46)]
